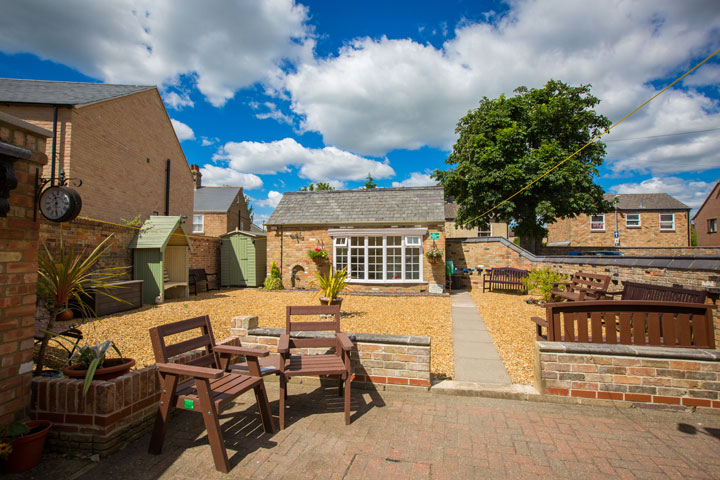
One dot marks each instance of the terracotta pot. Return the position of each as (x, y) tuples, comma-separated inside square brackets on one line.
[(27, 450), (334, 301), (114, 367), (64, 316)]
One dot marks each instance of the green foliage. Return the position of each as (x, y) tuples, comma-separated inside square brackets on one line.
[(136, 221), (249, 207), (370, 182), (89, 356), (540, 280), (274, 281), (317, 187), (693, 236), (332, 285), (434, 253), (318, 254), (506, 143), (12, 431)]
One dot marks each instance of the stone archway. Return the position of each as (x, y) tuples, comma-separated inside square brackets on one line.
[(296, 276)]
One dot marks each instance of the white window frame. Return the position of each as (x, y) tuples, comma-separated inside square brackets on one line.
[(408, 241), (202, 223), (489, 231), (661, 221), (627, 219), (603, 223), (712, 225)]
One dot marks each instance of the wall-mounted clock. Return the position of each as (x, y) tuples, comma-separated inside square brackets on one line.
[(60, 204)]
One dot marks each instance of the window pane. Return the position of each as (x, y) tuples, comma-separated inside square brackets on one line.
[(667, 221), (632, 220), (341, 258), (394, 262), (357, 257), (375, 258), (394, 241), (597, 222), (412, 264), (357, 241), (375, 241), (197, 223), (712, 225), (412, 241)]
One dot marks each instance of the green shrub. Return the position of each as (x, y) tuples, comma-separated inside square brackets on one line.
[(274, 281), (540, 280)]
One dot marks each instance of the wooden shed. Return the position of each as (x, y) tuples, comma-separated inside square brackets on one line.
[(243, 259), (161, 258)]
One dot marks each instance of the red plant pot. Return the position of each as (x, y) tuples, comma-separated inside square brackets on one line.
[(27, 450), (65, 316), (114, 367)]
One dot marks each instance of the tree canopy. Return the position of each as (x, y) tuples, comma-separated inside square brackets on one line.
[(317, 186), (508, 142), (251, 213), (370, 182)]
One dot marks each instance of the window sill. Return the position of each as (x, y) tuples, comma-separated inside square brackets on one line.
[(597, 231), (667, 229), (633, 227), (383, 282)]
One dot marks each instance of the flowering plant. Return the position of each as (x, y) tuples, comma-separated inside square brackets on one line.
[(434, 254), (5, 450), (318, 254)]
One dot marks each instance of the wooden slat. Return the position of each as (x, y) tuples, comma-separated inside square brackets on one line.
[(699, 324), (625, 331), (181, 326), (320, 326), (653, 323), (638, 327), (557, 332), (204, 361), (312, 342), (569, 330), (582, 328), (668, 330), (187, 346), (610, 328), (684, 334), (596, 323)]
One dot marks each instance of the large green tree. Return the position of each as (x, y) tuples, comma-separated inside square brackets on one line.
[(508, 142)]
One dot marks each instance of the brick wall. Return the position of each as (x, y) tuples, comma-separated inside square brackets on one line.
[(18, 272), (214, 224), (288, 246), (577, 230), (452, 231), (206, 253), (379, 359), (637, 375)]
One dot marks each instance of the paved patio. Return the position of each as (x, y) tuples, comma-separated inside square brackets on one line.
[(398, 435)]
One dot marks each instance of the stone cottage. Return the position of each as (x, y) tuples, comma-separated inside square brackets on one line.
[(380, 235)]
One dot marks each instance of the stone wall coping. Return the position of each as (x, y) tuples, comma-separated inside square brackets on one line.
[(629, 351), (357, 337), (690, 262), (23, 125)]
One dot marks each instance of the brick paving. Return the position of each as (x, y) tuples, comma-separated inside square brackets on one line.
[(398, 435)]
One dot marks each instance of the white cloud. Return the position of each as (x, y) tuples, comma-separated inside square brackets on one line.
[(225, 46), (214, 176), (317, 164), (206, 141), (691, 193), (416, 179), (177, 101), (182, 131), (272, 113), (271, 201)]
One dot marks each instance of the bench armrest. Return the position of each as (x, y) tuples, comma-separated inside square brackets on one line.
[(344, 341), (211, 274), (284, 343), (190, 370), (540, 321), (248, 352)]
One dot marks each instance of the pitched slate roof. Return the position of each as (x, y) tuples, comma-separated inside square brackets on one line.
[(646, 201), (371, 206), (215, 199), (13, 90)]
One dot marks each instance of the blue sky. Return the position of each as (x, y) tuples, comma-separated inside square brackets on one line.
[(272, 95)]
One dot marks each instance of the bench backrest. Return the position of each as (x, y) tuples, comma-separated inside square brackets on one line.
[(201, 338), (508, 273), (324, 325), (643, 291), (199, 274), (632, 322), (591, 281)]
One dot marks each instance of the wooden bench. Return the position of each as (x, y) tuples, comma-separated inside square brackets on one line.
[(212, 384), (167, 284), (644, 291), (582, 286), (128, 294), (629, 322), (198, 275), (505, 279)]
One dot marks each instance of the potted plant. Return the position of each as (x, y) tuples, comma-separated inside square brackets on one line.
[(331, 285), (66, 277), (540, 281), (434, 254), (22, 444), (318, 254)]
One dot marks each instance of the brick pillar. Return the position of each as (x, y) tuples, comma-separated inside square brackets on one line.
[(25, 143)]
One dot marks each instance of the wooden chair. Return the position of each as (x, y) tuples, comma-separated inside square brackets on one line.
[(336, 363), (582, 286), (661, 293), (211, 384), (198, 275)]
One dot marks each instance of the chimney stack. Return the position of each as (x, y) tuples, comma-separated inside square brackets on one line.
[(197, 176)]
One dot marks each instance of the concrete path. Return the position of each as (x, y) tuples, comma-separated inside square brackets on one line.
[(476, 358)]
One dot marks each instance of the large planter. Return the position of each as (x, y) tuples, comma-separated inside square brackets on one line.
[(65, 316), (334, 301), (114, 367), (27, 450)]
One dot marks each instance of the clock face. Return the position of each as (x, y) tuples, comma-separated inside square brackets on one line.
[(59, 204)]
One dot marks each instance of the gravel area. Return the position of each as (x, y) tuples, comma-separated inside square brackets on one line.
[(422, 316), (507, 318)]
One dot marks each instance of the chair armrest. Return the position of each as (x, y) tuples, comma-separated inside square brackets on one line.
[(284, 343), (540, 321), (344, 341), (190, 370), (248, 352)]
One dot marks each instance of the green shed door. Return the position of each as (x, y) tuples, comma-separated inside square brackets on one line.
[(234, 261), (147, 266)]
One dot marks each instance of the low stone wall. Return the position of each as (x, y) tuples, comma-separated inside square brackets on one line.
[(636, 251), (630, 374), (379, 359)]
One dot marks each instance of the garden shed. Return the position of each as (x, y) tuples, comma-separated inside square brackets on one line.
[(161, 257), (243, 259)]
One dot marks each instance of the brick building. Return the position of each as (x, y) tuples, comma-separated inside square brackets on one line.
[(641, 219), (706, 219), (117, 138), (218, 210), (381, 235), (495, 229), (22, 147)]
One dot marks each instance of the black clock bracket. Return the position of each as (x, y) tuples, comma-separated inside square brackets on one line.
[(56, 200)]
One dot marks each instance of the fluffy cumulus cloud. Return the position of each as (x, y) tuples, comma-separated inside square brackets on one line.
[(214, 176), (416, 179), (182, 131), (327, 164), (271, 201), (224, 46), (177, 101), (691, 193), (376, 95)]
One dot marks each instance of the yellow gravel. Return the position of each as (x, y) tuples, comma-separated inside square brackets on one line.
[(421, 316), (507, 318)]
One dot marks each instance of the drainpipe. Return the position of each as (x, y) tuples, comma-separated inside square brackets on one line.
[(282, 234), (167, 188), (54, 145)]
